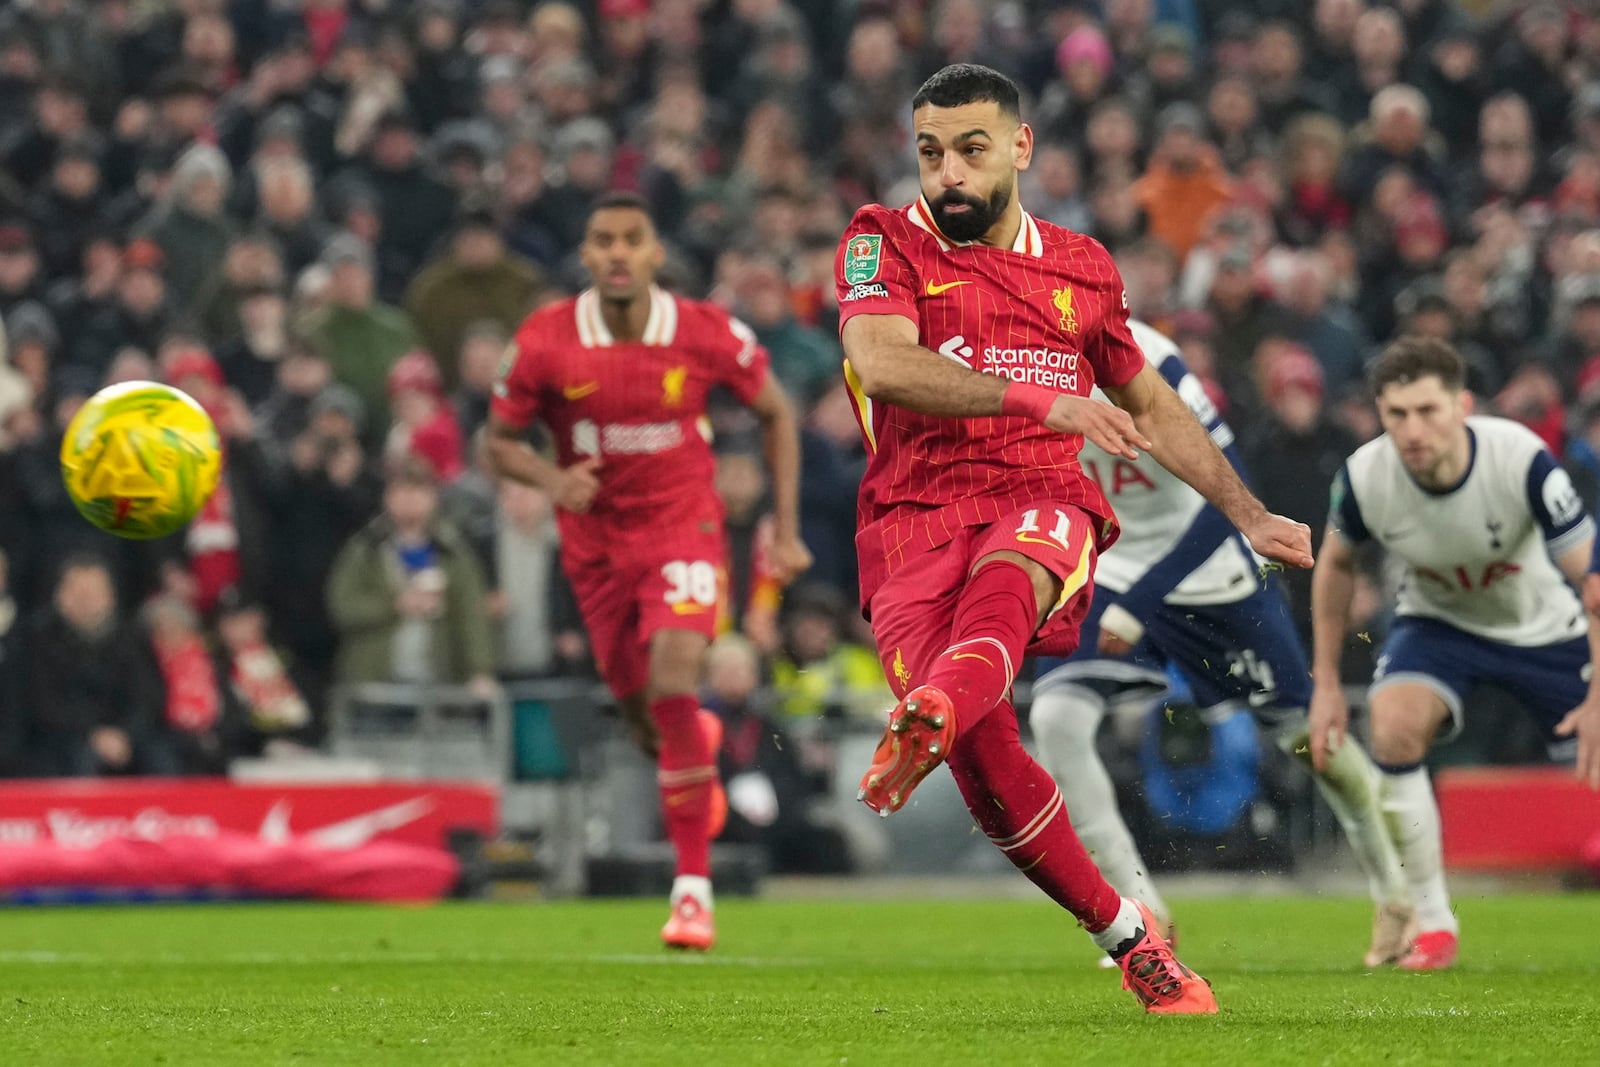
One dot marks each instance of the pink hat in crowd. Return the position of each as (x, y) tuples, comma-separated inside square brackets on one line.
[(624, 9), (1084, 44)]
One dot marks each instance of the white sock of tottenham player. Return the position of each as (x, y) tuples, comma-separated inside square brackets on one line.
[(1351, 787), (1065, 719), (1413, 815)]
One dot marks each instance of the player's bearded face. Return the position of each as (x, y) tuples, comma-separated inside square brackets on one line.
[(966, 217)]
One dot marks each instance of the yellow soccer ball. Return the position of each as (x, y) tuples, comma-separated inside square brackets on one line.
[(140, 459)]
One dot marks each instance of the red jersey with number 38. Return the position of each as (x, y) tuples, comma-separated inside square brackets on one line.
[(1050, 311), (639, 406)]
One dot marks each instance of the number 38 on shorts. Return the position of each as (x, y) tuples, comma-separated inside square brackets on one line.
[(692, 586)]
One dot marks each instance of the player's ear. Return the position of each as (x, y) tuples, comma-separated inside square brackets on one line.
[(1022, 145), (1469, 402)]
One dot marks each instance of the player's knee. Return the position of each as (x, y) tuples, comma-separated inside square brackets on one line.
[(1046, 586), (675, 659), (1400, 734)]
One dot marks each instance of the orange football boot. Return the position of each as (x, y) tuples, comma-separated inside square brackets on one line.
[(690, 926), (1431, 951), (922, 727), (1164, 986)]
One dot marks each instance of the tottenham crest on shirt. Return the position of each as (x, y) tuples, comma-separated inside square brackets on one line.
[(861, 258)]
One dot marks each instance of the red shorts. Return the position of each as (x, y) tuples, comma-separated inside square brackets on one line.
[(677, 585), (913, 610)]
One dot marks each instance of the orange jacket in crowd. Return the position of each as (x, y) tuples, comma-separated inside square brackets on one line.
[(1177, 205)]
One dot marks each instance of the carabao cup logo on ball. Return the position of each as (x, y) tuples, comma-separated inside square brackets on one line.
[(140, 459)]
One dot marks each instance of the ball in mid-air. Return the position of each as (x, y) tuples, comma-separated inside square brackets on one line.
[(140, 459)]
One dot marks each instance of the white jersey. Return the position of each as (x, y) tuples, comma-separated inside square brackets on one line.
[(1155, 507), (1477, 556)]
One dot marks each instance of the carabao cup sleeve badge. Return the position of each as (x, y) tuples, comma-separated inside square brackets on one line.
[(861, 258)]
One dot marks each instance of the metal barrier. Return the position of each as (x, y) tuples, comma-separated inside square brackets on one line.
[(573, 782), (422, 731)]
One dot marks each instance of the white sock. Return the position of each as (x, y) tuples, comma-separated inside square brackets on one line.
[(1413, 818), (1065, 719), (1351, 786), (1125, 927), (692, 885)]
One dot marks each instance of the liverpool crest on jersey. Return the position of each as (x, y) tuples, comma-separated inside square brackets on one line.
[(1062, 299), (861, 258), (672, 386)]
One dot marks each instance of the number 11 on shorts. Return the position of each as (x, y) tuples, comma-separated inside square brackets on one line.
[(1030, 526)]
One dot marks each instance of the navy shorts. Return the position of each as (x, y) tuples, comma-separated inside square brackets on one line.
[(1244, 653), (1549, 680)]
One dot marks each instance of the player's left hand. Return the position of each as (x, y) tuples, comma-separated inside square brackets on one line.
[(1281, 539), (789, 557), (1584, 722)]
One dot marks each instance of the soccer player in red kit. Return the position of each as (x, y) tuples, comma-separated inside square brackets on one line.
[(619, 375), (973, 334)]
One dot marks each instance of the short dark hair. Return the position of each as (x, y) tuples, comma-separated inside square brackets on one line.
[(1412, 358), (969, 83), (620, 198)]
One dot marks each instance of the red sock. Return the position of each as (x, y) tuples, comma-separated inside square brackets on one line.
[(1017, 803), (685, 771), (994, 619)]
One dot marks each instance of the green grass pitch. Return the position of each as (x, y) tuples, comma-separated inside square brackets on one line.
[(921, 982)]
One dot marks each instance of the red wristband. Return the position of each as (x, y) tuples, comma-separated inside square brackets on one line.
[(1030, 401)]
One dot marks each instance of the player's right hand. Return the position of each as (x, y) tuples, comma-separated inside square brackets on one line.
[(1329, 720), (1109, 427), (579, 483), (788, 557), (1284, 540)]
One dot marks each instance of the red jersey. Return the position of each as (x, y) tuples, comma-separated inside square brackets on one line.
[(1050, 311), (640, 406)]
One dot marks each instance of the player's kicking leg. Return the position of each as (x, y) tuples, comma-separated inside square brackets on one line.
[(962, 710), (1017, 804), (995, 616), (692, 801), (1406, 715)]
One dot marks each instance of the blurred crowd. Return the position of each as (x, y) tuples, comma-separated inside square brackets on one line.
[(324, 219)]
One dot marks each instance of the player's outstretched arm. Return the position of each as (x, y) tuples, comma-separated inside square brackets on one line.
[(890, 366), (780, 432), (572, 488), (1333, 588), (1182, 445), (1583, 721)]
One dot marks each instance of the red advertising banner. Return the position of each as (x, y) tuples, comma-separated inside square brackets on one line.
[(1516, 818), (82, 813), (216, 837)]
